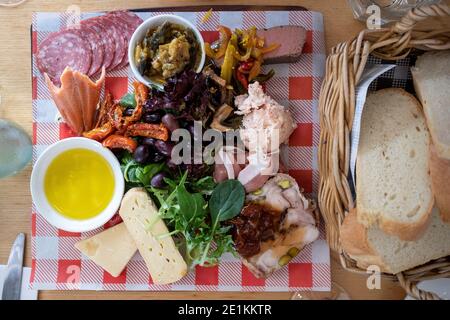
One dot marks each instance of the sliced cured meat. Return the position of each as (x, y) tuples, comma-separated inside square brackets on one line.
[(130, 21), (67, 48), (121, 47), (100, 42), (97, 47), (130, 18), (77, 98), (291, 40), (107, 38)]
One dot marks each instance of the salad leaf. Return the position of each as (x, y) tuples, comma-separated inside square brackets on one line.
[(185, 210), (204, 185), (227, 200), (128, 101), (136, 174), (192, 205), (144, 174)]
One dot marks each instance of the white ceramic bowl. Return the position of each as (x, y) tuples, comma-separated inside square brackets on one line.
[(46, 209), (154, 22)]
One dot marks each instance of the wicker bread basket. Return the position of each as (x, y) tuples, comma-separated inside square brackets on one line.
[(422, 28)]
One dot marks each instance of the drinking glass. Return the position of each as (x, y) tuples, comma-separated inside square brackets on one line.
[(11, 3), (390, 10), (15, 146)]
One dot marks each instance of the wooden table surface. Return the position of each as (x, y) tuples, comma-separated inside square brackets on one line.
[(15, 91)]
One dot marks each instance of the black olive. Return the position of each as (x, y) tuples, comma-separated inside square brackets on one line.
[(152, 118), (170, 122), (164, 147), (157, 157), (158, 180), (128, 112), (141, 154), (148, 141)]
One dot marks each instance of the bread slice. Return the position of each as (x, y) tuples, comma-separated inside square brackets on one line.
[(431, 77), (374, 247), (440, 183), (393, 185)]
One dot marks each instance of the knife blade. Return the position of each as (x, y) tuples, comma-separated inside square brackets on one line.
[(13, 276)]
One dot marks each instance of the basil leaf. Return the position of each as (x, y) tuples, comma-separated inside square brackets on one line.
[(128, 101), (226, 200)]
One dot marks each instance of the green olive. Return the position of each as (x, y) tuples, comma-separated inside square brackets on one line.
[(284, 260), (293, 252)]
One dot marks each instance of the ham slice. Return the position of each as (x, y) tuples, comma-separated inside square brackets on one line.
[(77, 98)]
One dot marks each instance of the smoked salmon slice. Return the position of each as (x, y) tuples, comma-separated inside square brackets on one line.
[(77, 98)]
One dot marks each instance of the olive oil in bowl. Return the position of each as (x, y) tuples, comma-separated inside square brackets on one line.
[(79, 184)]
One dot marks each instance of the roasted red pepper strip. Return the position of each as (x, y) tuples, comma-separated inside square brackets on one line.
[(116, 141), (100, 133), (148, 130), (105, 109), (141, 96), (242, 78), (246, 66)]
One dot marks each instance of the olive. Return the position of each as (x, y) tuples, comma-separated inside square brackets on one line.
[(158, 180), (141, 154), (157, 157), (148, 141), (171, 165), (152, 118), (170, 122), (128, 112), (164, 147)]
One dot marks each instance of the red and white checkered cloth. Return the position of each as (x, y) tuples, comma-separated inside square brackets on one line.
[(56, 264)]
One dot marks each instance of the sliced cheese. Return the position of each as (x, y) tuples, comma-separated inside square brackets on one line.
[(140, 215), (111, 249)]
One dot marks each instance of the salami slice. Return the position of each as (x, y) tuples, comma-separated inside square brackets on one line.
[(116, 31), (97, 47), (107, 38), (130, 18), (67, 48), (129, 22)]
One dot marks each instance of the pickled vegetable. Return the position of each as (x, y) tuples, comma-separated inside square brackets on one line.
[(167, 51)]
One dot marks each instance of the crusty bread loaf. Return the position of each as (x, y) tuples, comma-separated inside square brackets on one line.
[(431, 77), (393, 184), (440, 183), (374, 247)]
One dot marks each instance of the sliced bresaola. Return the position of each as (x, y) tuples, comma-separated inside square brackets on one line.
[(107, 38), (67, 48)]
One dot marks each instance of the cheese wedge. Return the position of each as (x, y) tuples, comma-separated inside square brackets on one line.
[(111, 249), (140, 215)]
